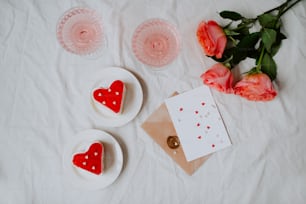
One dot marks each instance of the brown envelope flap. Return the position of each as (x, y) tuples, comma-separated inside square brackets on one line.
[(159, 127)]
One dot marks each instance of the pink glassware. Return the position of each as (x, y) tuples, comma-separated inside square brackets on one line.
[(156, 42), (80, 31)]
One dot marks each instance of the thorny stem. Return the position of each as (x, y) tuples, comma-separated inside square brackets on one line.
[(258, 67), (277, 8), (283, 12), (282, 6), (233, 40)]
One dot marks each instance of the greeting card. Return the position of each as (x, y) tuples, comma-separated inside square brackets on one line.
[(198, 123), (160, 128)]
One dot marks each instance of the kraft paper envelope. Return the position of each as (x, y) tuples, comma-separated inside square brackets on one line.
[(160, 127)]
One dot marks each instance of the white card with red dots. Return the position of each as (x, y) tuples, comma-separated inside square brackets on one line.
[(198, 123)]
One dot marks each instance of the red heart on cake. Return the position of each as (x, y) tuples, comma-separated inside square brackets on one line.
[(92, 160), (111, 97)]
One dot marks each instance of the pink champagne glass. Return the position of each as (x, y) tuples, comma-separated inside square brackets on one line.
[(80, 31), (156, 42)]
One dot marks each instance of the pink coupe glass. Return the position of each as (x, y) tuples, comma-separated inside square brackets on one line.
[(80, 31), (156, 42)]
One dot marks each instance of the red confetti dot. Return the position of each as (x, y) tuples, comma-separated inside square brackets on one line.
[(208, 127), (196, 112), (198, 124), (181, 109), (213, 145), (199, 137), (203, 104)]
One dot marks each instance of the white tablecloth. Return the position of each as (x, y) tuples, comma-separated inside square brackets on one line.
[(44, 91)]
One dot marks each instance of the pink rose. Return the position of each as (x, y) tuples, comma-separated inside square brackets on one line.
[(212, 38), (219, 77), (256, 87)]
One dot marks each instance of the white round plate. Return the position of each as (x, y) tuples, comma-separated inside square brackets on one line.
[(113, 160), (132, 101)]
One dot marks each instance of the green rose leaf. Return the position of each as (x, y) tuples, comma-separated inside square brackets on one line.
[(275, 47), (231, 15), (268, 66), (249, 41), (253, 54), (269, 21), (245, 47), (244, 30), (281, 36), (268, 37), (227, 55)]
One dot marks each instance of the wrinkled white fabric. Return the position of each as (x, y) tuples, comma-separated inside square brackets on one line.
[(44, 93)]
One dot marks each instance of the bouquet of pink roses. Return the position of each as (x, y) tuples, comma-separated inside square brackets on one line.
[(233, 43)]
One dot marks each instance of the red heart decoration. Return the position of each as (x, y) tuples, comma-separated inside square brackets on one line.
[(111, 97), (91, 160)]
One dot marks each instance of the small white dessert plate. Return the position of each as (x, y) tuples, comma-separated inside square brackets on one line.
[(132, 101), (113, 160)]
